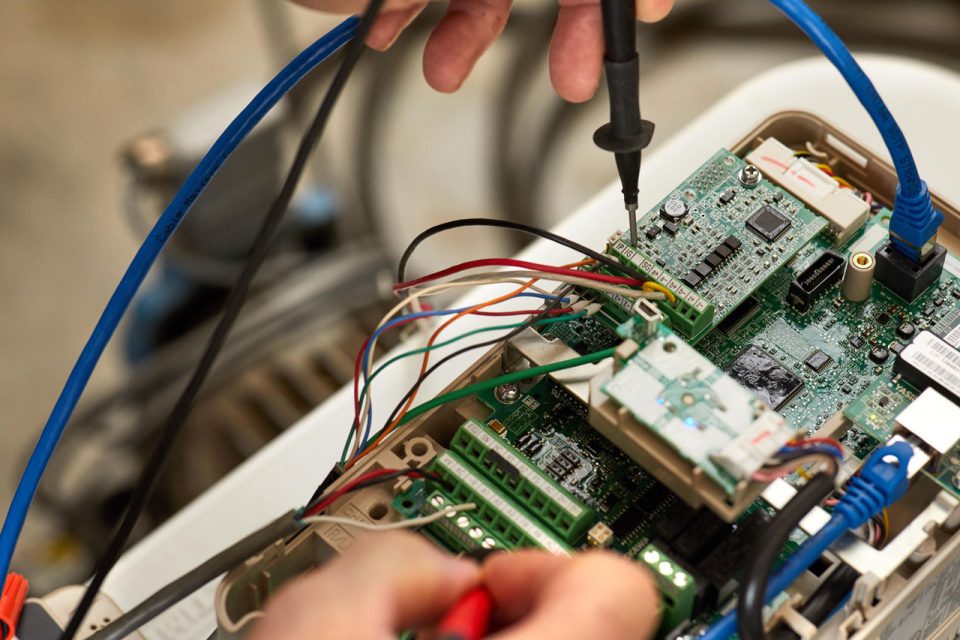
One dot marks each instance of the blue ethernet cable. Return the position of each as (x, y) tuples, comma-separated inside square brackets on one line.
[(168, 222), (878, 485), (914, 221)]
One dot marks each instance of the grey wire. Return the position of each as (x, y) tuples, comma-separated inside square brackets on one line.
[(193, 580)]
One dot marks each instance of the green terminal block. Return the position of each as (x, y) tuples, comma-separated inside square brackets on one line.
[(677, 587), (460, 532), (495, 512), (536, 492)]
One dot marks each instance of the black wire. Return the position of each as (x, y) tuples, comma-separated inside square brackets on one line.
[(824, 601), (234, 304), (516, 226), (751, 600), (427, 475)]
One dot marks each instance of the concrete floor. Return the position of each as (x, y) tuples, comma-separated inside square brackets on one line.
[(81, 79)]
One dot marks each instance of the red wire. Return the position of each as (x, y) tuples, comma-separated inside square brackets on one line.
[(830, 442), (522, 264), (353, 483)]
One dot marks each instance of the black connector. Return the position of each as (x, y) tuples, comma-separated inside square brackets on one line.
[(905, 278), (813, 281)]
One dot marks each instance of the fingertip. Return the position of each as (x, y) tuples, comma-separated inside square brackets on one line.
[(390, 24), (576, 52), (653, 10)]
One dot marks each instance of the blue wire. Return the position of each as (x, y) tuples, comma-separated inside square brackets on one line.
[(837, 53), (365, 362), (914, 221), (812, 448), (194, 185)]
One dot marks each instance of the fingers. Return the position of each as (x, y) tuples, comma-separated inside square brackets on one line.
[(461, 37), (576, 50), (653, 10), (558, 598), (390, 24), (385, 583)]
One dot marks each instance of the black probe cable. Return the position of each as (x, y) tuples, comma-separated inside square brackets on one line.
[(751, 600), (234, 304), (515, 226)]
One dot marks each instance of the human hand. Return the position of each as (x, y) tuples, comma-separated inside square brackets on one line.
[(390, 582), (471, 26), (595, 594)]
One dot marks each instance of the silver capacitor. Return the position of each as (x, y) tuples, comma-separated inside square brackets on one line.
[(858, 277)]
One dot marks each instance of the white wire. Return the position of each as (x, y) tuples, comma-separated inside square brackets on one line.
[(402, 524), (479, 279)]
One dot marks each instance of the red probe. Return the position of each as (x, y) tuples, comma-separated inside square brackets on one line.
[(469, 618)]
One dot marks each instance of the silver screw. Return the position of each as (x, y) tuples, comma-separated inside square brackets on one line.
[(507, 393), (749, 176), (488, 543)]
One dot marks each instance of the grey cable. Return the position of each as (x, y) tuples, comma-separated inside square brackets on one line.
[(193, 580)]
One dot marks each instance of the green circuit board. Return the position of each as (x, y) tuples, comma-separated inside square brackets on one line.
[(728, 241)]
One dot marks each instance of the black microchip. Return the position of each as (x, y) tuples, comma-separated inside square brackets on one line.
[(770, 380), (652, 232), (713, 260), (627, 522), (703, 269), (817, 361), (723, 252), (733, 243), (883, 318), (692, 279), (671, 228), (896, 347), (768, 223), (728, 196), (855, 341)]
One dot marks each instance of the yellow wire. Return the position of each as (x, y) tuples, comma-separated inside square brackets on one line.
[(843, 182), (803, 473), (823, 166), (886, 526), (656, 286)]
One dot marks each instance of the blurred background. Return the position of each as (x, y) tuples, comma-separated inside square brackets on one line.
[(106, 105)]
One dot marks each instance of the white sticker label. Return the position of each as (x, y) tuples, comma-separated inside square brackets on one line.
[(935, 358)]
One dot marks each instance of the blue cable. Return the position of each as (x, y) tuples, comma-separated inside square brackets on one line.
[(812, 448), (141, 264), (914, 219), (878, 485)]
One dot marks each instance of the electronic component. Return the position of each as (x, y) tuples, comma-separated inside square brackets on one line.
[(652, 232), (817, 361), (739, 316), (463, 532), (674, 209), (708, 288), (768, 223), (628, 521), (727, 196), (904, 277), (815, 279), (858, 278), (929, 361), (677, 587), (704, 414), (495, 511), (758, 371), (525, 483), (497, 427), (846, 211), (906, 330), (879, 354), (933, 419), (600, 535)]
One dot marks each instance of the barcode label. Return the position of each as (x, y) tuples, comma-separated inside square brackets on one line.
[(935, 358), (954, 336)]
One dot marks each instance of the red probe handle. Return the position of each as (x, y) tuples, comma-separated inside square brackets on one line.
[(469, 618)]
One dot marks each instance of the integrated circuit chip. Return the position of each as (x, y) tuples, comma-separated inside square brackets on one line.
[(766, 377), (768, 223), (817, 361)]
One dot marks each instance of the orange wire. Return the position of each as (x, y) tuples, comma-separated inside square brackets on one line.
[(436, 334)]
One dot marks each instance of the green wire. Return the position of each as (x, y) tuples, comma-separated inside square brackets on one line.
[(407, 354), (514, 376)]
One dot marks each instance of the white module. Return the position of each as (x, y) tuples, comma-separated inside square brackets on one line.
[(845, 211), (934, 419)]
